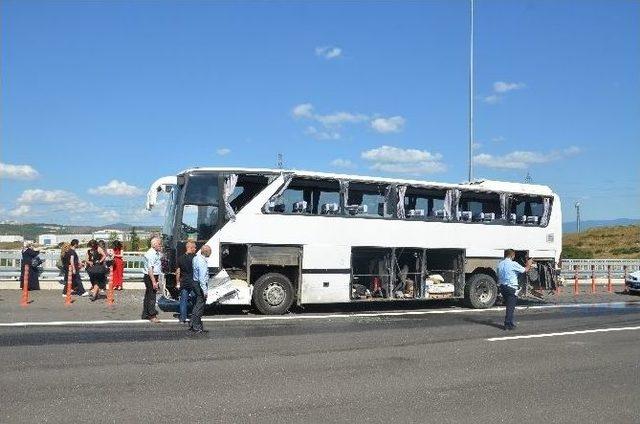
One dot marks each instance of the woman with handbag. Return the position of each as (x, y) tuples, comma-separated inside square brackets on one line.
[(96, 268), (30, 257)]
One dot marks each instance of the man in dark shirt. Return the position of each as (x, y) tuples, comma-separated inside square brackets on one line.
[(184, 278), (71, 258)]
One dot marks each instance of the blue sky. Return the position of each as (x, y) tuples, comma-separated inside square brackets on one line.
[(100, 98)]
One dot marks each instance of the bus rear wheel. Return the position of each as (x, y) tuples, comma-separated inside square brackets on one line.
[(481, 291), (272, 294)]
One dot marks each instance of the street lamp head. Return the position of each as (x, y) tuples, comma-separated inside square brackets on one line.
[(577, 204)]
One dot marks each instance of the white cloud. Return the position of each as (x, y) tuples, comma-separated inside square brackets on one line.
[(223, 151), (522, 159), (499, 90), (498, 139), (343, 163), (43, 202), (404, 161), (388, 125), (109, 215), (39, 196), (322, 135), (492, 99), (20, 210), (116, 188), (304, 110), (18, 172), (328, 52), (503, 87)]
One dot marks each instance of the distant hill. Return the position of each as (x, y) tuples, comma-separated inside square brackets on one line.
[(570, 227), (32, 231), (622, 242)]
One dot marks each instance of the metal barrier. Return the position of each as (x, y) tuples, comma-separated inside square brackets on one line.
[(599, 267), (11, 261)]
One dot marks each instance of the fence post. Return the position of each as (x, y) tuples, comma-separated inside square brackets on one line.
[(575, 280), (110, 288), (67, 299), (593, 278), (609, 287), (25, 287)]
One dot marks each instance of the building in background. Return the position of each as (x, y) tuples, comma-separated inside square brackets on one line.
[(55, 239), (11, 239)]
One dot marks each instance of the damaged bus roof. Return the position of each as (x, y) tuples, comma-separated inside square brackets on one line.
[(479, 185)]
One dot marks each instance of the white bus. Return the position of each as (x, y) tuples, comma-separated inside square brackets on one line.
[(289, 237)]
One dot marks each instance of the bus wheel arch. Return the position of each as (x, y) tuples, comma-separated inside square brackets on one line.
[(481, 289), (273, 293)]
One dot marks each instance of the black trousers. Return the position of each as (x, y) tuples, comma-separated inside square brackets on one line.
[(198, 307), (510, 300), (149, 304)]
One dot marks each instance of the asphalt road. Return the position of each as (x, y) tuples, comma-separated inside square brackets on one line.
[(427, 366)]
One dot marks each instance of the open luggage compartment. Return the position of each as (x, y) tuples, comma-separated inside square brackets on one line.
[(449, 263)]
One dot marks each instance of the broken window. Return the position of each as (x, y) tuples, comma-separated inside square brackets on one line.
[(424, 203), (247, 187), (370, 200), (479, 207), (371, 272), (529, 210), (309, 196)]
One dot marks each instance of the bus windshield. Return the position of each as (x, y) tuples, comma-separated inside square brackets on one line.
[(200, 210), (170, 212)]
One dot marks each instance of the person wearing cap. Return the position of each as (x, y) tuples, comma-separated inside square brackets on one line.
[(508, 271)]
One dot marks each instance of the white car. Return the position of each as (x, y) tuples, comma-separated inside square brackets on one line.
[(632, 282)]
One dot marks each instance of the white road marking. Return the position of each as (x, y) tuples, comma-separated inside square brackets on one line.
[(293, 317), (564, 333)]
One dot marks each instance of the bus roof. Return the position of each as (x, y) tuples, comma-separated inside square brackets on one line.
[(476, 185)]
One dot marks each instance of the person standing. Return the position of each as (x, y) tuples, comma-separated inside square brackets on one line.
[(200, 287), (28, 256), (70, 259), (508, 271), (118, 265), (152, 267), (184, 278), (96, 268)]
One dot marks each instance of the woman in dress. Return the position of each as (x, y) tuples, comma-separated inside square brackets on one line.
[(28, 255), (96, 268), (118, 265)]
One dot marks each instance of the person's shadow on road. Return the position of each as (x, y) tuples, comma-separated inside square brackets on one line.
[(487, 322)]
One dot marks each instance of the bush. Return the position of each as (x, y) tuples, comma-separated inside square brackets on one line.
[(625, 250), (572, 252)]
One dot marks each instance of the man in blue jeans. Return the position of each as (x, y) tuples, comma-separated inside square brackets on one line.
[(508, 271), (184, 278)]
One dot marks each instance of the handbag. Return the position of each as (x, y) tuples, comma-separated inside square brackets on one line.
[(36, 262), (97, 269)]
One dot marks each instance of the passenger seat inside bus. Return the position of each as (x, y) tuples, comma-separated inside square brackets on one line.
[(329, 209)]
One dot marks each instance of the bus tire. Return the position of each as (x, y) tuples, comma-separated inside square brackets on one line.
[(273, 294), (481, 291)]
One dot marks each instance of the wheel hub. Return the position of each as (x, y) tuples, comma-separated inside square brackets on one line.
[(274, 294), (483, 292)]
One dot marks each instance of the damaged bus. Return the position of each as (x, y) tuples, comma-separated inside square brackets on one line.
[(294, 237)]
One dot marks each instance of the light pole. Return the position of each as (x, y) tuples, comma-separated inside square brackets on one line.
[(578, 216), (471, 97)]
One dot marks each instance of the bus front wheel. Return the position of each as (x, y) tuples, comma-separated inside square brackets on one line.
[(272, 294), (481, 291)]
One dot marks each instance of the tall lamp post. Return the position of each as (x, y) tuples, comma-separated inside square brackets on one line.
[(471, 97), (578, 216)]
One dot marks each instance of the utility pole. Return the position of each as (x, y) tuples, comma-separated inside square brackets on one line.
[(578, 216), (279, 160), (471, 97)]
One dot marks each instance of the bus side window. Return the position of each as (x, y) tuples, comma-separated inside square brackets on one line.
[(479, 207), (312, 196), (526, 210), (372, 200), (424, 203)]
